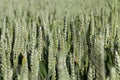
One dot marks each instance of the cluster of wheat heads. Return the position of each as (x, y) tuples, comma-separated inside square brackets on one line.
[(39, 42)]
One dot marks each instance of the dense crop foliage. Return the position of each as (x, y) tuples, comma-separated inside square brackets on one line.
[(59, 40)]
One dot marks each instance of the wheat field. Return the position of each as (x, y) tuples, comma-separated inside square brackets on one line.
[(59, 40)]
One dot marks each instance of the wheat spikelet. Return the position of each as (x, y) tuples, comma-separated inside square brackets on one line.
[(117, 64)]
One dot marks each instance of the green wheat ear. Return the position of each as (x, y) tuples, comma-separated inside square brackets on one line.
[(117, 64), (3, 48), (40, 43), (90, 77), (52, 58)]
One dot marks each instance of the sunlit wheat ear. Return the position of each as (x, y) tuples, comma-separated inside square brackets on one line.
[(51, 58), (65, 28), (3, 65), (117, 64), (16, 48), (8, 51), (33, 55), (7, 48), (90, 77), (55, 47), (40, 43), (3, 48), (73, 60)]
